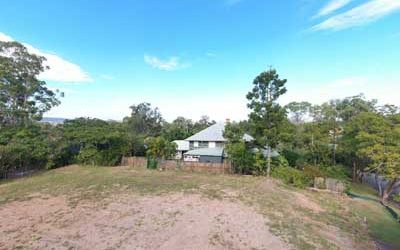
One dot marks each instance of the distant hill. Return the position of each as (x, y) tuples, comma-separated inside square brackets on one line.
[(53, 120)]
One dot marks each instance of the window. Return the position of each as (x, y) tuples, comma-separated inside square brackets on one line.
[(211, 144), (196, 144), (203, 144)]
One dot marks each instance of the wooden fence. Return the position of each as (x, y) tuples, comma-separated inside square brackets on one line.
[(217, 168), (134, 161)]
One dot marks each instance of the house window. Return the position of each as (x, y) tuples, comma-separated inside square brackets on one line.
[(196, 144), (203, 144), (211, 144)]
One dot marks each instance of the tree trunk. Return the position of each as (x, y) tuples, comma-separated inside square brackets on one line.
[(389, 190), (379, 184), (355, 177), (360, 175), (269, 162)]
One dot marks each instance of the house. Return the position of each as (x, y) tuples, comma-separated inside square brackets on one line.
[(208, 145), (182, 147)]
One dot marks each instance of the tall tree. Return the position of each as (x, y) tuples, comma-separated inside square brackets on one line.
[(376, 141), (266, 114), (203, 123), (23, 97), (298, 111), (179, 129), (144, 120)]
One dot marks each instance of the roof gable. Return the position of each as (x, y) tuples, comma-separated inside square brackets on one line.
[(214, 133)]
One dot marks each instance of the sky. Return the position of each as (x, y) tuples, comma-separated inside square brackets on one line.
[(199, 57)]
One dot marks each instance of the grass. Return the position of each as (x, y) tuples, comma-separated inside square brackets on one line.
[(383, 227), (325, 221)]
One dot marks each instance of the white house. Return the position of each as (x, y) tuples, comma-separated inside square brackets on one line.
[(208, 144)]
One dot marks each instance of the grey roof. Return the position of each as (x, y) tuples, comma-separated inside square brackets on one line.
[(206, 152), (182, 145), (214, 133)]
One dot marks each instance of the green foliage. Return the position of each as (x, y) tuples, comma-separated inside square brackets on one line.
[(152, 163), (23, 98), (314, 171), (144, 120), (292, 176), (181, 128), (160, 148), (95, 142), (244, 160), (298, 111), (267, 115), (241, 157), (279, 161), (396, 198), (23, 148), (339, 172)]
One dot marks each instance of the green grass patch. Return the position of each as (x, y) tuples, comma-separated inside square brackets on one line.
[(383, 227)]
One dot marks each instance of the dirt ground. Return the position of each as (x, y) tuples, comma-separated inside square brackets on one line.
[(178, 221)]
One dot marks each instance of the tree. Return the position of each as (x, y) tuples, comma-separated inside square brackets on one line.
[(238, 151), (354, 139), (95, 142), (23, 97), (181, 128), (203, 123), (351, 106), (389, 110), (376, 141), (159, 148), (267, 115), (298, 111), (144, 120)]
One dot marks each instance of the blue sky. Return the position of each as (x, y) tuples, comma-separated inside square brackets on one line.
[(199, 57)]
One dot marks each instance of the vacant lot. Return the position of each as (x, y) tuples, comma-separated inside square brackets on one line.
[(107, 208)]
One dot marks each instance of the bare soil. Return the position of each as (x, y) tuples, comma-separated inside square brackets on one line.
[(175, 221)]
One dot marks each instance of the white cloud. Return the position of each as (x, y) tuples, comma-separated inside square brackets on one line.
[(5, 38), (360, 15), (61, 70), (173, 63), (332, 6)]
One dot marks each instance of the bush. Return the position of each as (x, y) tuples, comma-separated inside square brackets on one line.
[(337, 172), (279, 161), (291, 156), (292, 176), (243, 159), (314, 171), (23, 149)]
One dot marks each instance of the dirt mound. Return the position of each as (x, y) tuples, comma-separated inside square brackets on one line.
[(168, 222)]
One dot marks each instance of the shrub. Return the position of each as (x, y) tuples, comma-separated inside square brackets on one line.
[(314, 171), (243, 159), (292, 176), (279, 161), (22, 149), (337, 172), (291, 156)]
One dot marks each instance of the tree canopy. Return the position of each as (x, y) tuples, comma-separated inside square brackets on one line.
[(23, 97)]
